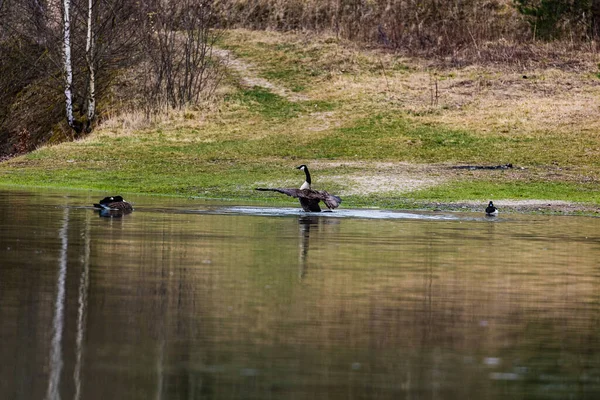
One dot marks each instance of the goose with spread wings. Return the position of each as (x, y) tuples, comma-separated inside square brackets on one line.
[(309, 198)]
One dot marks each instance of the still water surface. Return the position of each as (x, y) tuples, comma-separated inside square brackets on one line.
[(188, 299)]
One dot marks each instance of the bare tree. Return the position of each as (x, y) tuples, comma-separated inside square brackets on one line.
[(67, 67), (89, 57)]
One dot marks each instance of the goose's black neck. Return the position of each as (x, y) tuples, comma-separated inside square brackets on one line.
[(307, 175)]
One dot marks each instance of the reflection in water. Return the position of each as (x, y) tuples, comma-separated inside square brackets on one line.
[(113, 213), (56, 361), (172, 305), (159, 369), (82, 307), (305, 222)]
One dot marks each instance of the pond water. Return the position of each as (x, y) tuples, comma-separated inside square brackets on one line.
[(189, 299)]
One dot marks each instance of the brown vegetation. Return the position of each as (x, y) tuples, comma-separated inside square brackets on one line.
[(462, 30)]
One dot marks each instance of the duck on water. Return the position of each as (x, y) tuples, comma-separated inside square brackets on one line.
[(309, 198), (491, 210), (113, 203)]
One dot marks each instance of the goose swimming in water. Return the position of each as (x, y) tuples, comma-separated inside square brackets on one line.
[(114, 203), (490, 210), (309, 198)]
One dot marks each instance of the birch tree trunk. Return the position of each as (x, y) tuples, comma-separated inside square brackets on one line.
[(89, 57), (68, 70)]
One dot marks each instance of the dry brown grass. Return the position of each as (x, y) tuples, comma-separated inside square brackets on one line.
[(547, 100), (484, 98)]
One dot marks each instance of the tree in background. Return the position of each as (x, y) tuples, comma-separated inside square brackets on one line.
[(430, 27), (67, 65), (90, 60)]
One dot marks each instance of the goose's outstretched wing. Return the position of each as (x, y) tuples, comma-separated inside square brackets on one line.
[(308, 202), (295, 193), (332, 201)]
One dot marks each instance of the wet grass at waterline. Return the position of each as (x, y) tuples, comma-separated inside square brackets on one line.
[(352, 129)]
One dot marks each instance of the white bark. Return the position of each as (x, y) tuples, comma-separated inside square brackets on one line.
[(68, 70), (89, 56)]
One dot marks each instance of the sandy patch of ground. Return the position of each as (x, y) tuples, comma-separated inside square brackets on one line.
[(384, 177), (398, 182)]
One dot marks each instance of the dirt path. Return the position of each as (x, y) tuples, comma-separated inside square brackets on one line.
[(249, 76)]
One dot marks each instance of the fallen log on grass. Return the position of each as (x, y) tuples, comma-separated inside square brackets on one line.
[(472, 167)]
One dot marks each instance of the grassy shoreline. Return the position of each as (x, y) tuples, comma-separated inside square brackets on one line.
[(364, 121)]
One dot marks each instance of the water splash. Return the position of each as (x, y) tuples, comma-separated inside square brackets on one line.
[(345, 213)]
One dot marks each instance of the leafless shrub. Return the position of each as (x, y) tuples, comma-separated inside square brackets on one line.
[(180, 67)]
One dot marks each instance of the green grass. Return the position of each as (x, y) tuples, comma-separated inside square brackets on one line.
[(146, 163), (269, 105), (393, 137)]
